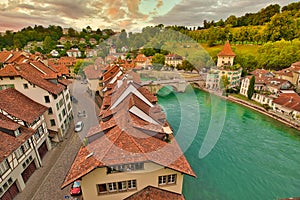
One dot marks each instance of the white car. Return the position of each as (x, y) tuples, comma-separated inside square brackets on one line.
[(78, 126)]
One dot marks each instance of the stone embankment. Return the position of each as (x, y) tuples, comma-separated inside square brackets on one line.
[(289, 122), (274, 115)]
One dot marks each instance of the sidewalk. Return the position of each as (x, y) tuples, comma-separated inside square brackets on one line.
[(41, 185)]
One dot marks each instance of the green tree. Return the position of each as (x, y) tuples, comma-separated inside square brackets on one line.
[(250, 91), (224, 82), (158, 61), (71, 32), (77, 66), (187, 66), (48, 44)]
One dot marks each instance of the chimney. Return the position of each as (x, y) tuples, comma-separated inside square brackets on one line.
[(95, 67), (291, 99)]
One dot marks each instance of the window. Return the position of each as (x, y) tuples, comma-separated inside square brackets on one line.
[(36, 135), (50, 111), (63, 112), (57, 106), (40, 129), (67, 97), (52, 122), (4, 167), (47, 99), (11, 78), (69, 106), (112, 187), (59, 116), (167, 180), (26, 146), (19, 152), (162, 180), (17, 132), (61, 102), (126, 167), (25, 85), (122, 186), (131, 184), (172, 179), (102, 188)]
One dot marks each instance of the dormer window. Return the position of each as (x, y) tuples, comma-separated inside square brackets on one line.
[(17, 132)]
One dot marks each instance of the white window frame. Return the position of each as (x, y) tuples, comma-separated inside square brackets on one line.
[(112, 187), (131, 184)]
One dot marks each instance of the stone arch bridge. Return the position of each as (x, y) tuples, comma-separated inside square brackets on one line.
[(179, 85)]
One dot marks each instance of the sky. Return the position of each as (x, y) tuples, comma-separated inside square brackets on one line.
[(131, 15)]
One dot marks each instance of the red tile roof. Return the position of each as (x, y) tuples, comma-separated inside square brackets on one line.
[(44, 68), (258, 72), (61, 69), (9, 143), (9, 70), (289, 100), (17, 58), (117, 92), (92, 71), (154, 193), (122, 140), (4, 55), (226, 51), (20, 106), (64, 81), (8, 123)]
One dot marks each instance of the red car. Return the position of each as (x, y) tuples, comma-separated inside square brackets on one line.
[(75, 188)]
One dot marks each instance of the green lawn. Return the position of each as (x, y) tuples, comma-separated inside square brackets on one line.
[(190, 49), (241, 49)]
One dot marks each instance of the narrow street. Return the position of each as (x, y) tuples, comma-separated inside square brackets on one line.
[(45, 183)]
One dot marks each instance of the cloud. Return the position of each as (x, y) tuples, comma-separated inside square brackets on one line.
[(121, 14), (193, 12)]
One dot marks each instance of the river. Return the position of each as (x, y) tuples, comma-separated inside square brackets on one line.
[(255, 157)]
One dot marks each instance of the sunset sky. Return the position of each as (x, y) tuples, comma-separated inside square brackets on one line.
[(131, 15)]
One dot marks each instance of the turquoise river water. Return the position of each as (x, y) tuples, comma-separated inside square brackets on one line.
[(255, 157)]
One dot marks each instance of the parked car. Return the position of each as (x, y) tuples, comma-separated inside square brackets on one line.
[(81, 114), (78, 126), (75, 188)]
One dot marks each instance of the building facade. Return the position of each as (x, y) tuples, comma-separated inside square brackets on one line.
[(24, 141), (132, 149), (45, 86)]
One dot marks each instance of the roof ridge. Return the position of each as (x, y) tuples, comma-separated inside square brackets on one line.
[(112, 143), (137, 144)]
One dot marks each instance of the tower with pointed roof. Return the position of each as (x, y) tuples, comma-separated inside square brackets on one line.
[(226, 56)]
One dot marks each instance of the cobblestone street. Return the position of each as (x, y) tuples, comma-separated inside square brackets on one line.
[(46, 181)]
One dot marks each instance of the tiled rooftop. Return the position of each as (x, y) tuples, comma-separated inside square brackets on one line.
[(289, 100), (9, 143), (20, 106), (226, 51), (154, 193)]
